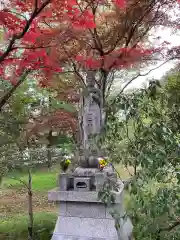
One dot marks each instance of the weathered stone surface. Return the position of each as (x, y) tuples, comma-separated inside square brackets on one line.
[(63, 181), (63, 237), (99, 181), (113, 178), (75, 196), (62, 209), (91, 210), (82, 184), (87, 221), (85, 172), (91, 196), (85, 210), (86, 227)]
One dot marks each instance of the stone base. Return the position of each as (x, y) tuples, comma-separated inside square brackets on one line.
[(86, 228), (82, 216), (76, 228)]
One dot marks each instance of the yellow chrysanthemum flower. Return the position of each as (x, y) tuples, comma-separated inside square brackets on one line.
[(68, 161), (102, 163)]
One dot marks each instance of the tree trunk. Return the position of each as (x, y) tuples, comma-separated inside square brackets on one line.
[(49, 158), (30, 207), (49, 138)]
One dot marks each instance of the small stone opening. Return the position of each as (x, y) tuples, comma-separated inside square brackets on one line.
[(81, 185)]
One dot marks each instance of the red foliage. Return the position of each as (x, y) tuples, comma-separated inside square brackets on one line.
[(33, 41), (25, 33), (122, 58), (25, 21), (24, 29), (62, 121), (120, 3)]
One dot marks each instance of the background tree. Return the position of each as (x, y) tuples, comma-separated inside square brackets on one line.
[(149, 143)]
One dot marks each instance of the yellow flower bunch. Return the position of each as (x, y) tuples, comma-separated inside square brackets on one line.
[(102, 163), (65, 164), (68, 161)]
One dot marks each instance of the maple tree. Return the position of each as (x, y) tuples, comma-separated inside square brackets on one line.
[(114, 41), (21, 23), (52, 36)]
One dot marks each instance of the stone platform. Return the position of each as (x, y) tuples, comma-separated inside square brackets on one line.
[(81, 215)]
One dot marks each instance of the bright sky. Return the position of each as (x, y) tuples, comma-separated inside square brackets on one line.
[(166, 35)]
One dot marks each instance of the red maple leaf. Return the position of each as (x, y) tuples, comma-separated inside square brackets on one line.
[(120, 3)]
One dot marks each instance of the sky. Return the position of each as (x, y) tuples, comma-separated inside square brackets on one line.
[(166, 35)]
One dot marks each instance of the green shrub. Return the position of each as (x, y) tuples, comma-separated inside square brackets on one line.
[(17, 228)]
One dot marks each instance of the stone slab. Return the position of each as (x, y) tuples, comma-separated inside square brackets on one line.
[(86, 227), (77, 228), (74, 196), (86, 210), (63, 237), (91, 210)]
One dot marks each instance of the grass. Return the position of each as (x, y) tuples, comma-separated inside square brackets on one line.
[(41, 180), (16, 227)]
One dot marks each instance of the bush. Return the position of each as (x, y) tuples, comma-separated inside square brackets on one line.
[(17, 228)]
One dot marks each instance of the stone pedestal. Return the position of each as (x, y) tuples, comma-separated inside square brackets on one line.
[(82, 216)]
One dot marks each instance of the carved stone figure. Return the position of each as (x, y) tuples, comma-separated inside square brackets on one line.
[(90, 121)]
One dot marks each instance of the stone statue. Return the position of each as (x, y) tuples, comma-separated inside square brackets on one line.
[(77, 194), (90, 121)]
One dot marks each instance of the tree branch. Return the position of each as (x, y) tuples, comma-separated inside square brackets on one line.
[(26, 28), (7, 96), (171, 227), (139, 75)]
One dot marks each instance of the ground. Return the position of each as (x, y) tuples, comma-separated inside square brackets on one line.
[(13, 196)]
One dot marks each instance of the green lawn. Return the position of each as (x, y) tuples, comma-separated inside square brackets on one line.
[(41, 180), (16, 227)]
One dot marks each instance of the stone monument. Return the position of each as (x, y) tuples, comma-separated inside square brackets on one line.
[(82, 215)]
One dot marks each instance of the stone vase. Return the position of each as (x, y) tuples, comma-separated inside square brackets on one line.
[(63, 181), (99, 181)]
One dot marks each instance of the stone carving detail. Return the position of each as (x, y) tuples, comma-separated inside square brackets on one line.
[(90, 121)]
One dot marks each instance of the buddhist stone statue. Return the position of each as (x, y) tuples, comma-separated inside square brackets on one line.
[(90, 120)]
